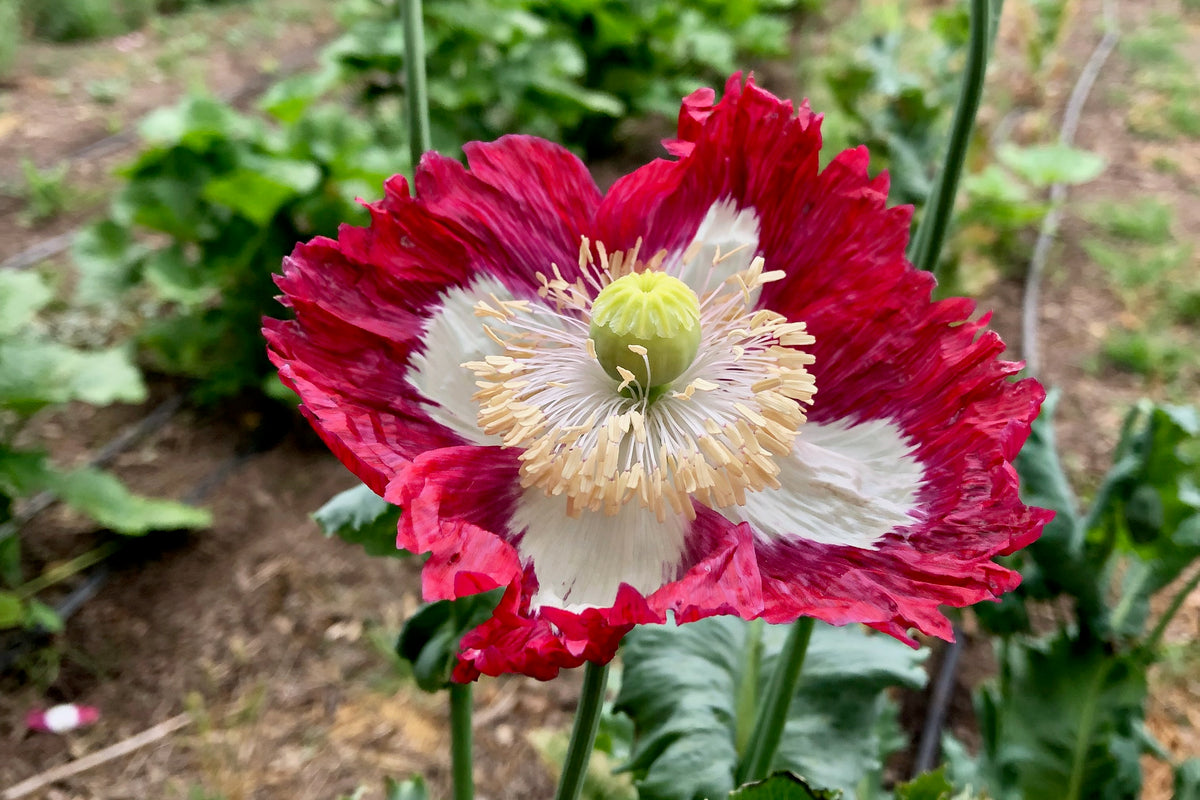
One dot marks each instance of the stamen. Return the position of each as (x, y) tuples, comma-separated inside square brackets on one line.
[(604, 442)]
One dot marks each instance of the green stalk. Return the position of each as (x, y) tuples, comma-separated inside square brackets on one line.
[(939, 206), (583, 732), (1155, 637), (773, 711), (1086, 721), (414, 71), (747, 696), (63, 571), (460, 741)]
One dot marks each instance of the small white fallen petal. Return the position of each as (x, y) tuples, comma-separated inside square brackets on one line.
[(61, 718)]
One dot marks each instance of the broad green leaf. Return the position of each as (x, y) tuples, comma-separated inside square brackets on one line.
[(681, 687), (35, 373), (359, 516), (107, 257), (259, 189), (926, 786), (411, 789), (12, 610), (177, 279), (1045, 165), (784, 786), (429, 639), (22, 295), (1068, 708), (105, 499), (39, 615), (195, 123)]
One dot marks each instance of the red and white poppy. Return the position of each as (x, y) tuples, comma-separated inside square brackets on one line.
[(61, 718), (839, 446)]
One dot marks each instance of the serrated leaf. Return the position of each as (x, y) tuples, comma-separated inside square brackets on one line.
[(359, 516), (1068, 708), (105, 499), (258, 190), (784, 786), (681, 686), (22, 295)]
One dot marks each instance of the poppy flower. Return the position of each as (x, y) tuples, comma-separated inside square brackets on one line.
[(718, 388)]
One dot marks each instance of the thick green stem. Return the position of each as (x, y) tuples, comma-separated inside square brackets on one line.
[(747, 697), (1086, 721), (583, 733), (414, 70), (460, 741), (773, 711), (939, 207)]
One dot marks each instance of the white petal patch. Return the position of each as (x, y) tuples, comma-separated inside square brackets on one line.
[(452, 336), (841, 485), (581, 561), (727, 231)]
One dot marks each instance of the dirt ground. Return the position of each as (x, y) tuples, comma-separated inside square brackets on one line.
[(276, 640)]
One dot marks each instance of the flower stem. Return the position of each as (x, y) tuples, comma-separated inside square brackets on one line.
[(939, 206), (583, 733), (63, 571), (773, 711), (414, 70), (460, 741)]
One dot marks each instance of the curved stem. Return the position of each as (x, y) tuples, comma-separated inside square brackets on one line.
[(939, 207), (583, 733), (414, 71), (1155, 637), (773, 711), (460, 741)]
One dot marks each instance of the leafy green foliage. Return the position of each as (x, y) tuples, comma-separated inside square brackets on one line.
[(1063, 724), (926, 786), (568, 71), (10, 35), (682, 686), (231, 195), (1064, 718), (359, 516), (783, 786), (69, 20), (36, 372), (430, 637)]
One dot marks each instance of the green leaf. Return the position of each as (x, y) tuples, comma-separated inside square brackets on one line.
[(926, 786), (34, 373), (1045, 165), (105, 499), (12, 611), (40, 615), (22, 295), (783, 786), (411, 789), (1187, 780), (359, 516), (259, 189), (429, 639), (681, 687), (107, 257), (176, 279), (1068, 715)]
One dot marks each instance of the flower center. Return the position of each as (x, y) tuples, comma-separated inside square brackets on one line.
[(715, 400), (646, 325)]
